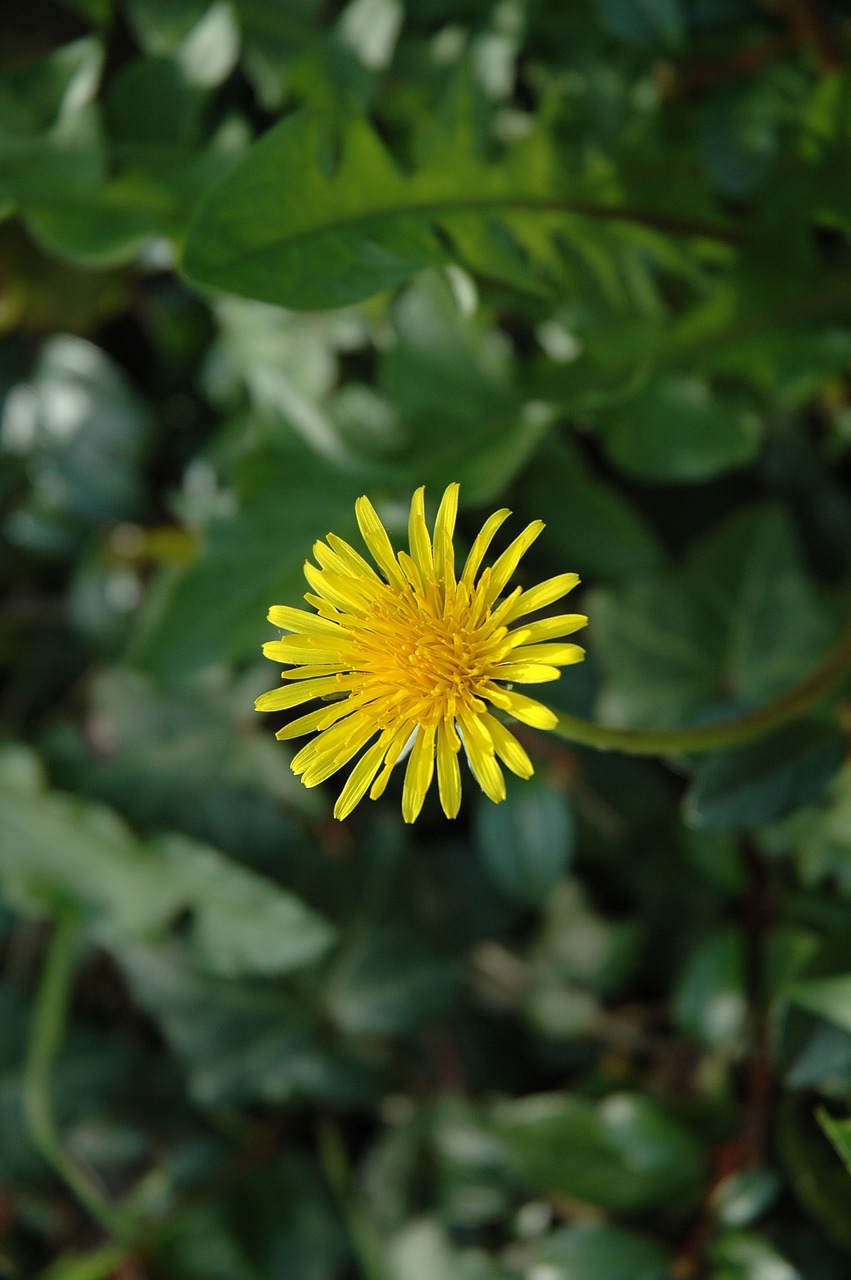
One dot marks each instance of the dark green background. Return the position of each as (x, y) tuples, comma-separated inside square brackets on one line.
[(592, 261)]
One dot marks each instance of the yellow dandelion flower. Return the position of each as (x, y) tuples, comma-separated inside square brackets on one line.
[(412, 656)]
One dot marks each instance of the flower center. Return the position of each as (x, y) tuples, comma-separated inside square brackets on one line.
[(425, 658)]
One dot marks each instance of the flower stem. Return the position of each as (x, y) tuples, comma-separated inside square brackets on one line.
[(46, 1034), (795, 702), (335, 1164)]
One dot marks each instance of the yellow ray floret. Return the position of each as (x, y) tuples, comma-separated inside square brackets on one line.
[(412, 656)]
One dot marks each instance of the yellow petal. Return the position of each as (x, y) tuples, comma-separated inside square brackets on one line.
[(482, 541), (345, 593), (526, 672), (504, 567), (301, 649), (350, 559), (448, 773), (524, 709), (376, 538), (330, 761), (475, 731), (327, 611), (301, 622), (545, 593), (412, 573), (563, 624), (419, 543), (555, 655), (311, 671), (332, 741), (444, 527), (400, 737), (419, 773), (359, 779), (314, 720), (509, 749), (482, 762), (293, 694)]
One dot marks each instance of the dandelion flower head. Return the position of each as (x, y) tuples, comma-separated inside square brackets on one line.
[(412, 656)]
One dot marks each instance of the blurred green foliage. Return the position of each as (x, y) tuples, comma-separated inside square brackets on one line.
[(593, 262)]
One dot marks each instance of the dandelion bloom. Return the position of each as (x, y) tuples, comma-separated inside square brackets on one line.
[(412, 655)]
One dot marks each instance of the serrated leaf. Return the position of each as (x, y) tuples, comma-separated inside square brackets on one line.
[(282, 230), (297, 226), (757, 782)]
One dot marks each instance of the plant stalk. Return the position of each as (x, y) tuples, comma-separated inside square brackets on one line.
[(47, 1031), (791, 705)]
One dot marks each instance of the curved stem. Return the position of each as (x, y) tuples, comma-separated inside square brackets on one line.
[(788, 706), (46, 1034)]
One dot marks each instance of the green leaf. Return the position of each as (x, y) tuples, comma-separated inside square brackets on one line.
[(453, 391), (710, 998), (745, 1255), (85, 433), (593, 526), (297, 225), (623, 1154), (216, 609), (597, 1251), (647, 23), (752, 594), (97, 1265), (242, 1042), (739, 617), (151, 103), (160, 165), (54, 849), (527, 841), (679, 429), (422, 1250), (830, 998), (184, 759), (34, 97), (754, 783), (389, 981), (155, 194), (278, 1222), (161, 25), (745, 1195), (282, 230), (50, 139), (819, 1181), (839, 1133)]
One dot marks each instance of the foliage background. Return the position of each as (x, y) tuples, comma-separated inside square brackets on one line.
[(591, 260)]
